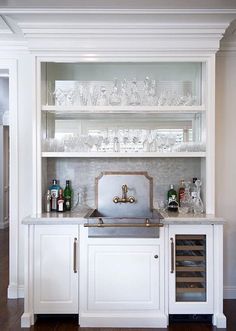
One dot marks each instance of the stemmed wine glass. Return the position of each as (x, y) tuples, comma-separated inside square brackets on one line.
[(115, 98), (134, 95), (102, 99)]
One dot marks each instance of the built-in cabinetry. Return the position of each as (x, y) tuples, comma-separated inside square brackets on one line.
[(123, 282), (159, 112), (146, 109), (55, 269)]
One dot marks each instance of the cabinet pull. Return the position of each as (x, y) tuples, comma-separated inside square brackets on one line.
[(172, 254), (75, 256)]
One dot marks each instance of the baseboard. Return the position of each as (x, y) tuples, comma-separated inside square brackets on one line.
[(229, 292), (120, 321), (15, 292)]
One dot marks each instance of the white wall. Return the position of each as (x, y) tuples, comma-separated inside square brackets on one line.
[(226, 162)]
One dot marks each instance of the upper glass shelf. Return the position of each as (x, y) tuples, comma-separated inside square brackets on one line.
[(160, 85)]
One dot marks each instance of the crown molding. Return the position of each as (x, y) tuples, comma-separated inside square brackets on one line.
[(93, 31), (4, 27), (125, 11)]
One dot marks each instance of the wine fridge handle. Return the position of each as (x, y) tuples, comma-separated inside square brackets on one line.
[(172, 255), (75, 256)]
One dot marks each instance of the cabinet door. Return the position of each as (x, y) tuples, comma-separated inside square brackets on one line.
[(191, 269), (55, 269), (123, 277)]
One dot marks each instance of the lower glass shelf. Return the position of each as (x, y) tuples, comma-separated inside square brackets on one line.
[(116, 154)]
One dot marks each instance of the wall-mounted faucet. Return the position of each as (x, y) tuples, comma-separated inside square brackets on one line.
[(124, 198)]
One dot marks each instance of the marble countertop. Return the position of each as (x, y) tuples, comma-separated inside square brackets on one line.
[(177, 218), (79, 218)]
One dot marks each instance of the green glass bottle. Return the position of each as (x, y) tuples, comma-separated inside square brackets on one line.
[(172, 194), (68, 196)]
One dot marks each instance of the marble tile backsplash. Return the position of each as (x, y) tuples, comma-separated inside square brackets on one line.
[(82, 172)]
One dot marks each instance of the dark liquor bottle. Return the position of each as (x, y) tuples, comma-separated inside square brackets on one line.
[(172, 199), (60, 202), (171, 194), (68, 196)]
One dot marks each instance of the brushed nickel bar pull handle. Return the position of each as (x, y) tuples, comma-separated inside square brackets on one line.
[(124, 225), (75, 256), (172, 254)]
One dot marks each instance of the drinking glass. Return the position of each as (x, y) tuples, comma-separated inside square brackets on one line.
[(124, 94), (102, 99), (83, 95), (115, 98), (134, 95)]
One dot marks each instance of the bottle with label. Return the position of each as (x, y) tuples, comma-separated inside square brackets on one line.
[(48, 201), (171, 194), (181, 192), (60, 202), (54, 190), (193, 190), (172, 199), (68, 196)]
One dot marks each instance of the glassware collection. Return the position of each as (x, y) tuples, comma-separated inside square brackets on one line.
[(148, 92), (123, 141)]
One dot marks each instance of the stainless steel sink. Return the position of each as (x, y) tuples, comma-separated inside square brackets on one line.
[(121, 214), (101, 225)]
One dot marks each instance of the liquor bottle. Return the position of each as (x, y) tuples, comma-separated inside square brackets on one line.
[(193, 189), (48, 201), (67, 196), (171, 194), (54, 190), (60, 202), (181, 191), (172, 199)]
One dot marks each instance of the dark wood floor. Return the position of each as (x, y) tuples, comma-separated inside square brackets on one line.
[(11, 310)]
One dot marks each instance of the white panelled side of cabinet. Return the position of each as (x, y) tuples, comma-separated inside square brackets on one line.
[(55, 269), (193, 279)]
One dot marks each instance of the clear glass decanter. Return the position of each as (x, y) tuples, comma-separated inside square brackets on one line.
[(186, 203), (198, 207), (80, 205)]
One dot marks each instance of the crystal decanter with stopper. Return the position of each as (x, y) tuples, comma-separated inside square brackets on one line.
[(198, 207), (80, 205)]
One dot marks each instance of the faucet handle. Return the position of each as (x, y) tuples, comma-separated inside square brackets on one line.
[(116, 199), (131, 199)]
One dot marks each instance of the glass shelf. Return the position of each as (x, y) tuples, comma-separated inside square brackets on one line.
[(131, 155), (67, 110)]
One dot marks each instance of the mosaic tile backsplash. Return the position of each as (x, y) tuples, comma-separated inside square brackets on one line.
[(82, 173)]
